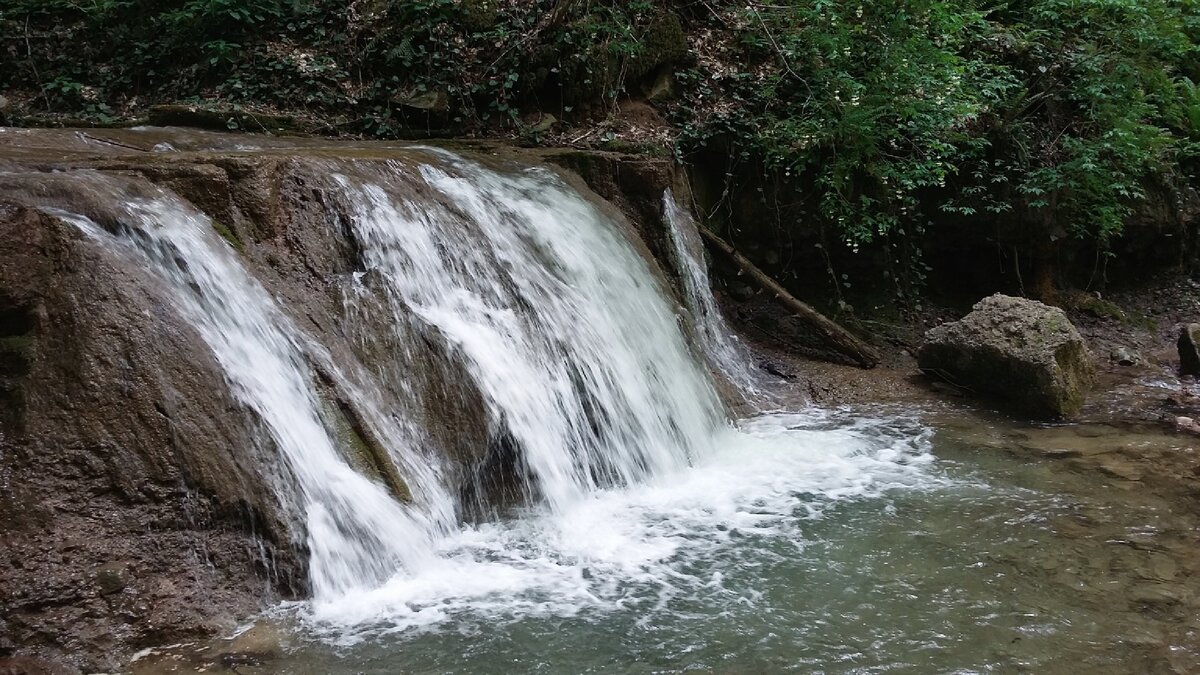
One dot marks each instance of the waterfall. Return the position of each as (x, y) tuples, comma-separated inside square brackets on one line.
[(564, 328), (358, 535), (721, 347), (577, 365)]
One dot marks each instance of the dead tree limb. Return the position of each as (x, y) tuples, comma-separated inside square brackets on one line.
[(838, 338)]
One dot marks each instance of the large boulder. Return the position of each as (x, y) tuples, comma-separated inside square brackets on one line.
[(1189, 349), (1021, 353)]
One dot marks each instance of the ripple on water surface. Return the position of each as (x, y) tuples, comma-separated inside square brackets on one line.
[(814, 542)]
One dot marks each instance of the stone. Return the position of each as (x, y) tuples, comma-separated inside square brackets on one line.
[(1020, 353), (1124, 356), (664, 88), (113, 577), (544, 123), (1188, 425), (1157, 594), (434, 101), (262, 642), (1189, 349)]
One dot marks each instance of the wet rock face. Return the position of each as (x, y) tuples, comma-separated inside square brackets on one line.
[(1020, 353), (132, 510), (138, 500), (1189, 349)]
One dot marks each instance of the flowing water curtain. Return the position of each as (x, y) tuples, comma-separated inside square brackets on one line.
[(724, 350), (357, 534), (561, 323), (557, 319)]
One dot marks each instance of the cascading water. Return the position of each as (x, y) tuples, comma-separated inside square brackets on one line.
[(564, 327), (633, 471), (357, 534), (722, 348)]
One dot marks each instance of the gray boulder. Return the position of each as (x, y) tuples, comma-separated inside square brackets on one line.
[(1189, 349), (1020, 353)]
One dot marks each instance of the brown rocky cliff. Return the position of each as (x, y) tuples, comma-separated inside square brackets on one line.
[(131, 511)]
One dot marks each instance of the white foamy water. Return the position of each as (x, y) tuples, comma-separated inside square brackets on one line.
[(358, 535), (722, 348), (563, 326), (675, 534)]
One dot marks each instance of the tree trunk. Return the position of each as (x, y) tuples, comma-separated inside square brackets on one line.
[(836, 337)]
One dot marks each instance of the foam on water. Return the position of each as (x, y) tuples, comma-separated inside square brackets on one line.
[(641, 545)]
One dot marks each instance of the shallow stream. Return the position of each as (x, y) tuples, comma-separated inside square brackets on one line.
[(853, 541)]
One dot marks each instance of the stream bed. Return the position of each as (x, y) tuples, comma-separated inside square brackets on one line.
[(850, 541)]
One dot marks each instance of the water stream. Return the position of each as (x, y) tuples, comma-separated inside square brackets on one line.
[(724, 350), (655, 533)]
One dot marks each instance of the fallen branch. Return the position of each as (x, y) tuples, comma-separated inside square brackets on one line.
[(841, 340), (109, 141)]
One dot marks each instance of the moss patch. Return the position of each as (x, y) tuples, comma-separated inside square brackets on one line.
[(229, 235), (363, 451)]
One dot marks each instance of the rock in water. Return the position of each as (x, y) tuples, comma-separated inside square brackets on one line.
[(1124, 356), (1019, 352), (1189, 349)]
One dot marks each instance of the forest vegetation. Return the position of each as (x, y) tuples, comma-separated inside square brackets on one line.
[(1050, 124)]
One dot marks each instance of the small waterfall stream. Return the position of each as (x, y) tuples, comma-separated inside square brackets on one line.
[(357, 533), (723, 349)]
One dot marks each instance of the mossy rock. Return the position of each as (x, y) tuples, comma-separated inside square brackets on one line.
[(663, 42), (1020, 353), (362, 450), (229, 235)]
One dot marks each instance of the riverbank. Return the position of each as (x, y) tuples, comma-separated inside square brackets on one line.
[(1133, 428)]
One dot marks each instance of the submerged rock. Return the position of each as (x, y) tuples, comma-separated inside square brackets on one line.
[(1189, 349), (1021, 353), (1124, 356), (254, 647)]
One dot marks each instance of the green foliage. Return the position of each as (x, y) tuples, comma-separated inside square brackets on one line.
[(1052, 117), (1053, 111), (1056, 116), (1090, 125), (491, 59)]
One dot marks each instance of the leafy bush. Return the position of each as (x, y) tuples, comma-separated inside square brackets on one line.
[(1056, 114)]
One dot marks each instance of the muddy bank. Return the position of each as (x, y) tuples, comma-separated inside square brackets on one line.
[(1128, 430)]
